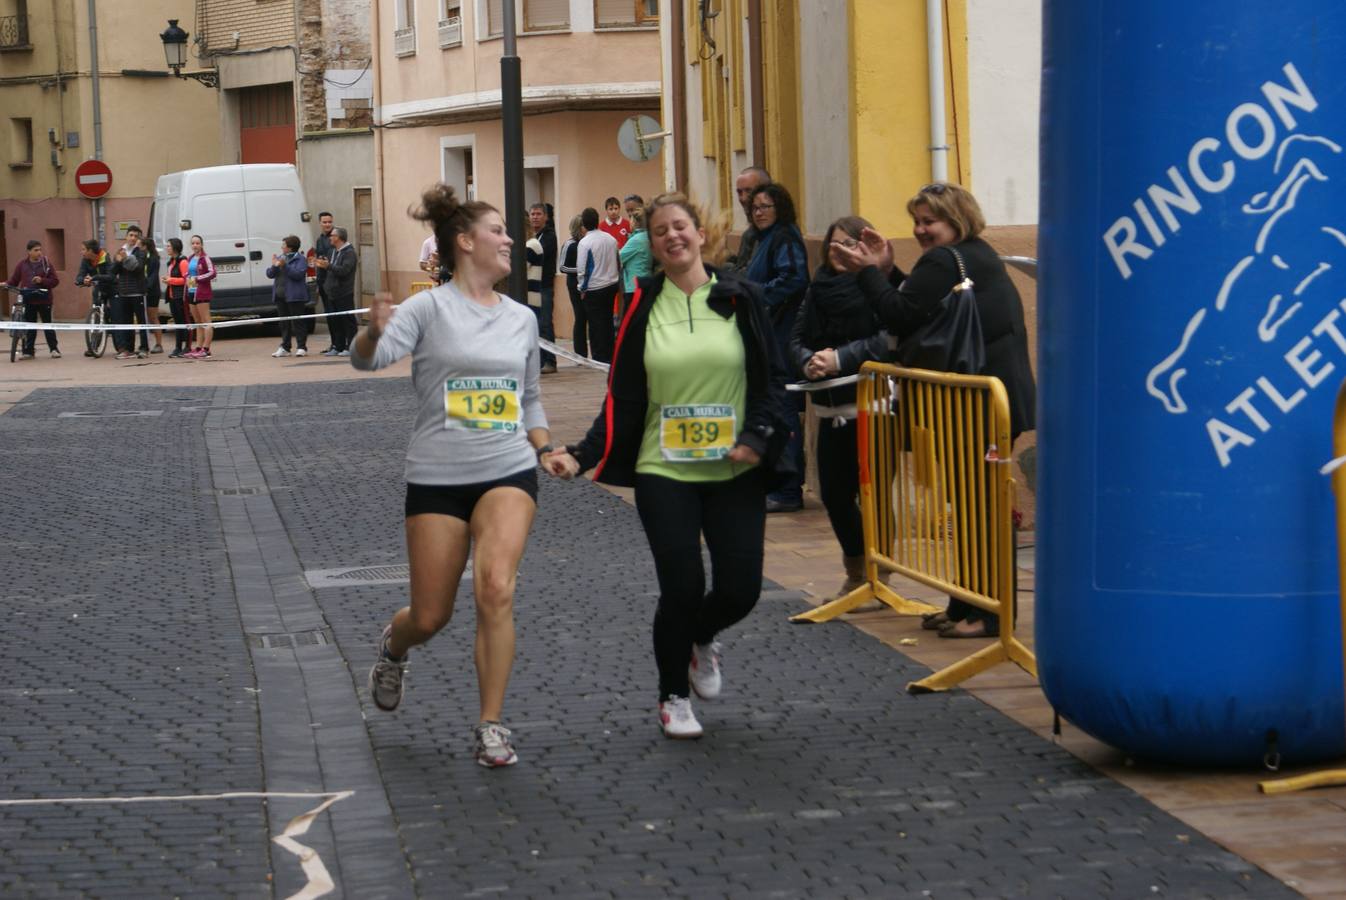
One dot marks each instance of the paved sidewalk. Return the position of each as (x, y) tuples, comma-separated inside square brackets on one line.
[(203, 661)]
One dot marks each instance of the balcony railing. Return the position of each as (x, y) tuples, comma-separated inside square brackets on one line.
[(450, 31), (404, 41), (14, 33)]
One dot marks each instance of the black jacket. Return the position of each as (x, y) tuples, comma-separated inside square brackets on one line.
[(613, 441), (100, 276), (130, 274), (835, 314), (904, 302)]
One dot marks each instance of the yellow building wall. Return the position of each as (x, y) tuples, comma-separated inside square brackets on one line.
[(890, 117)]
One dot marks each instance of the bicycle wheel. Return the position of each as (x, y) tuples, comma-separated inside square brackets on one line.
[(17, 335), (95, 338)]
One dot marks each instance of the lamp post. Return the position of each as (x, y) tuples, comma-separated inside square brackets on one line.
[(511, 127), (175, 52)]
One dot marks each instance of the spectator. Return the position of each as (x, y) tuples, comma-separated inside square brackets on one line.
[(175, 283), (568, 257), (634, 257), (341, 288), (544, 258), (614, 224), (95, 271), (747, 183), (322, 250), (289, 291), (152, 292), (599, 283), (947, 215), (200, 290), (430, 264), (780, 265), (834, 333), (128, 264), (34, 278), (633, 203)]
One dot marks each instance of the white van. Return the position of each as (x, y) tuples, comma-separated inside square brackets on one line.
[(242, 213)]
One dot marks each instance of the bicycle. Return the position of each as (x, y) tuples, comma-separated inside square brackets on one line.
[(16, 315), (95, 339)]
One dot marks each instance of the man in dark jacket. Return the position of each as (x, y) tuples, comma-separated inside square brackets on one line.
[(95, 271), (539, 218), (341, 292), (128, 265), (747, 183), (322, 249)]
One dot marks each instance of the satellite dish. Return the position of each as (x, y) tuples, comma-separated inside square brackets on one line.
[(640, 138)]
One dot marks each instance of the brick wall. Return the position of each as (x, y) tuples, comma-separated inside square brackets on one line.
[(258, 23)]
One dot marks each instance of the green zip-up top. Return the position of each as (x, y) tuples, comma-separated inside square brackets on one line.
[(694, 363)]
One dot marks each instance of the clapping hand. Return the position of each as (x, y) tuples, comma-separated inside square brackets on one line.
[(561, 464), (872, 249)]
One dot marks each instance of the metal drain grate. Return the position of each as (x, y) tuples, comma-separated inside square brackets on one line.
[(291, 640), (360, 576), (128, 414), (230, 406), (242, 491)]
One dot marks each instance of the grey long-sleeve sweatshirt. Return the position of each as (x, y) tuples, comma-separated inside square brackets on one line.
[(475, 371)]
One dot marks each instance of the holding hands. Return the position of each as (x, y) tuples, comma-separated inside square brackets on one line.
[(561, 464), (821, 365), (872, 249)]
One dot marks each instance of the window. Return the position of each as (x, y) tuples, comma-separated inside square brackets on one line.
[(626, 13), (546, 15), (450, 23), (21, 142), (404, 37), (495, 19)]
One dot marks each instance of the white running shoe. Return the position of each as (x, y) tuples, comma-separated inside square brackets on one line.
[(280, 351), (494, 747), (678, 720), (704, 670), (301, 352), (385, 677)]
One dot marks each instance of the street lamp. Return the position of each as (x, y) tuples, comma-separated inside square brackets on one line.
[(175, 52)]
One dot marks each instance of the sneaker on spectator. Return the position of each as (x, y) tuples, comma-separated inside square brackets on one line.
[(280, 352), (27, 356), (703, 673), (330, 351), (301, 352), (343, 353), (678, 720), (124, 355), (494, 747), (56, 354), (385, 677)]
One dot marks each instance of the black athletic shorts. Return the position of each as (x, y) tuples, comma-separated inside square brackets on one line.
[(458, 500)]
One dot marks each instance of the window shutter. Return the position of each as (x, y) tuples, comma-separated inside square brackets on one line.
[(495, 19), (545, 15), (609, 13)]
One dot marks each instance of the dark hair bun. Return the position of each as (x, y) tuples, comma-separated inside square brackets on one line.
[(438, 204)]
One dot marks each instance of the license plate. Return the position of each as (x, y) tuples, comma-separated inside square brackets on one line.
[(228, 268)]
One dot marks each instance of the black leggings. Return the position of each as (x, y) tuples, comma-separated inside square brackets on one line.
[(182, 337), (839, 484), (732, 517)]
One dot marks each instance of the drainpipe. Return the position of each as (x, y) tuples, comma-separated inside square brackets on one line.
[(934, 41), (375, 61), (99, 215)]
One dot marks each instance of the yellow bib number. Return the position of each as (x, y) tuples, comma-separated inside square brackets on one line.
[(696, 433), (482, 404)]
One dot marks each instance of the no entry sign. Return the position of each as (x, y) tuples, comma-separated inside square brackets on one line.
[(93, 178)]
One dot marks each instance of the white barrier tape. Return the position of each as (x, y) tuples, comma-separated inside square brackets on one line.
[(573, 357), (319, 880), (822, 385), (1332, 465), (228, 323)]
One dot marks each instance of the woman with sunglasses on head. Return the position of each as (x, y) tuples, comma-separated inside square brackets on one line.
[(947, 215), (836, 332), (472, 462), (695, 420)]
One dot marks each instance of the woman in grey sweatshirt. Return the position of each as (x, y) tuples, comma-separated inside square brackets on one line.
[(472, 461)]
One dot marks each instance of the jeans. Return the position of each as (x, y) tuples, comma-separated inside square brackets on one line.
[(342, 327), (545, 328), (598, 310), (298, 329), (839, 484), (580, 334), (32, 313), (676, 514), (125, 311)]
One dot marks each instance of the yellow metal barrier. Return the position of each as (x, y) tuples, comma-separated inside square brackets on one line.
[(1331, 777), (418, 286), (937, 500)]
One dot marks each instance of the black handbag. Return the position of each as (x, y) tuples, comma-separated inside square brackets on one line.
[(951, 341)]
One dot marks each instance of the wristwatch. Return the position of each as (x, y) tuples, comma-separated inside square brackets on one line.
[(543, 451)]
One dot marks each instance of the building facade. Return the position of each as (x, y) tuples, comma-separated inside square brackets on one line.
[(296, 86), (834, 98), (587, 66), (143, 124)]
